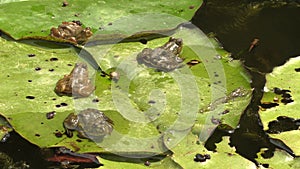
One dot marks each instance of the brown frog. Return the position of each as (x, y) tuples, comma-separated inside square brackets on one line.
[(77, 83), (72, 31), (165, 58), (89, 123)]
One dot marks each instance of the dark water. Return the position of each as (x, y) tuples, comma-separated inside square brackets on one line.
[(236, 24)]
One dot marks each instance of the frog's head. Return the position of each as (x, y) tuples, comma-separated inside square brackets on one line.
[(70, 123), (174, 45)]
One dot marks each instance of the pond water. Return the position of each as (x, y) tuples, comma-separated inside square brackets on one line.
[(235, 26)]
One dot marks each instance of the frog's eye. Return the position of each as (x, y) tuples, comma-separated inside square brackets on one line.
[(179, 41), (171, 39)]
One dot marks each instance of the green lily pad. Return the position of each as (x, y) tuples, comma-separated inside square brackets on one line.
[(281, 160), (121, 163), (28, 82), (283, 77), (224, 157), (135, 133), (177, 96), (34, 19)]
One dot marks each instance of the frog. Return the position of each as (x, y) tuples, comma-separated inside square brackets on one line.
[(89, 123), (164, 58), (72, 31), (77, 83)]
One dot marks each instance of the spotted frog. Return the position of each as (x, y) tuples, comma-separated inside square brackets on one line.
[(165, 58), (77, 83), (89, 123), (72, 31)]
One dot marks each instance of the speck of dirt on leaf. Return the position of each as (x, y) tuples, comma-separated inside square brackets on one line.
[(69, 64), (297, 69), (42, 123), (225, 111), (30, 97), (54, 99), (37, 135), (193, 62), (199, 158), (50, 115), (31, 55), (38, 69), (109, 23), (63, 104), (7, 76), (51, 70), (191, 7), (207, 156), (96, 100), (53, 59), (58, 134), (78, 140), (151, 102), (65, 3), (287, 100), (58, 105), (29, 81), (147, 163)]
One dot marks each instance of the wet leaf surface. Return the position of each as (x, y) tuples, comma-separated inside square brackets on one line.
[(285, 114), (29, 115), (163, 112), (34, 19)]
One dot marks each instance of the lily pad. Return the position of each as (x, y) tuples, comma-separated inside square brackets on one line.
[(28, 94), (177, 97), (285, 78), (281, 160), (224, 157), (121, 163), (28, 75), (28, 115), (34, 19)]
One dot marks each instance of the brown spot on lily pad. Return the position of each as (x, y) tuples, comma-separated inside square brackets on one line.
[(96, 100), (191, 7), (199, 158), (63, 104), (38, 69), (30, 97), (65, 3), (31, 55), (50, 115), (147, 163), (53, 59), (58, 134), (193, 62), (267, 105)]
